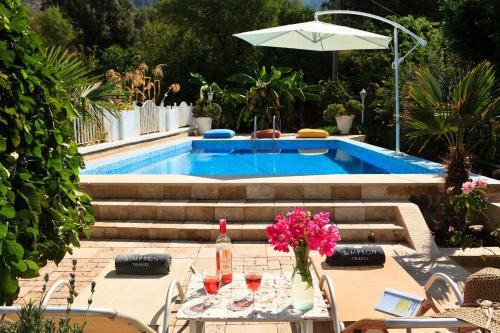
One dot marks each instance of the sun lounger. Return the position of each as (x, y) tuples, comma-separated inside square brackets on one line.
[(123, 303), (353, 293)]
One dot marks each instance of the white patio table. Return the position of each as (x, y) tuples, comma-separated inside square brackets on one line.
[(273, 303)]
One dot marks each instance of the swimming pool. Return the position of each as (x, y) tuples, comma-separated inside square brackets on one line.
[(264, 157)]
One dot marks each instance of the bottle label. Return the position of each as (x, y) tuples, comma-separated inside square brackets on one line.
[(225, 261)]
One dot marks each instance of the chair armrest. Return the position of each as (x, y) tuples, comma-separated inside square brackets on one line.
[(408, 323), (337, 325), (174, 284), (445, 278), (59, 283)]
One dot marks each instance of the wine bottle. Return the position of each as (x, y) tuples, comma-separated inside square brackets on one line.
[(224, 254)]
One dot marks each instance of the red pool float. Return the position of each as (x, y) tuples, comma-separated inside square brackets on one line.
[(268, 134)]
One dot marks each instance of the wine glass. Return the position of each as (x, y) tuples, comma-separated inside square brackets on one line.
[(211, 282), (253, 278)]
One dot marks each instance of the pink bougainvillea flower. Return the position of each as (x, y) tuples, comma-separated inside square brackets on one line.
[(481, 182), (301, 228), (467, 187)]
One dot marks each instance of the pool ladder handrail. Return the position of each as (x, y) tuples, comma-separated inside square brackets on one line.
[(254, 136), (274, 129)]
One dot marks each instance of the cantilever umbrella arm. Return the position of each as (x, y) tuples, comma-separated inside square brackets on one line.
[(397, 59)]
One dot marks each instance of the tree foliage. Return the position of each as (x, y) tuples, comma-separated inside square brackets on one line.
[(104, 23), (42, 210), (473, 27), (53, 28)]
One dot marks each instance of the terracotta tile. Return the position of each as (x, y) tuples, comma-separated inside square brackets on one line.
[(398, 192), (317, 192), (238, 192), (385, 213), (200, 211), (176, 192), (260, 192), (284, 192), (346, 192), (376, 192), (142, 210), (163, 232), (284, 206), (255, 211), (123, 191), (205, 191), (112, 210), (171, 210), (104, 232), (195, 231), (348, 214), (133, 232), (320, 206), (150, 191)]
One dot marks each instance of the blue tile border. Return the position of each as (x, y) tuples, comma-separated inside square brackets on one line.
[(380, 157)]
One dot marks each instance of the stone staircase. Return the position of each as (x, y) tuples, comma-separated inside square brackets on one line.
[(359, 221), (188, 208)]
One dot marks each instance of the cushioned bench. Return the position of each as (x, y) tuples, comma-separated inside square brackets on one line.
[(312, 133), (218, 134)]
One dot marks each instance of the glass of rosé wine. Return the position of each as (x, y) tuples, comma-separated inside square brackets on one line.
[(211, 283)]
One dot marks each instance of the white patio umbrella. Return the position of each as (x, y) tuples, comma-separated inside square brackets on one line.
[(321, 36), (316, 36)]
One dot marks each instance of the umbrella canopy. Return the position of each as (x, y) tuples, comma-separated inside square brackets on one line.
[(316, 36)]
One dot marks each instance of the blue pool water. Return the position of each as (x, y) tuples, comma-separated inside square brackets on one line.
[(263, 157)]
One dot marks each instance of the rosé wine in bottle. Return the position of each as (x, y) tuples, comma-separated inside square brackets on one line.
[(224, 254)]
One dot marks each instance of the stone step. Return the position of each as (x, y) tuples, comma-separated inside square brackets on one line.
[(359, 231), (239, 210), (368, 187)]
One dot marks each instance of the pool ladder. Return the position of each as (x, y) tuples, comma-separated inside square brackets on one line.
[(254, 136), (274, 129)]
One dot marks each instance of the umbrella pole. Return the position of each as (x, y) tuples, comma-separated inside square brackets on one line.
[(396, 86)]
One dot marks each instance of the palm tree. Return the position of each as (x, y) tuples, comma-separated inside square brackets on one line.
[(89, 97), (455, 115)]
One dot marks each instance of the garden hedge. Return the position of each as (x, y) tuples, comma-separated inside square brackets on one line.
[(42, 210)]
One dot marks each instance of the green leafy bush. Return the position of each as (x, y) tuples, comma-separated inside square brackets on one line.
[(42, 210), (332, 111), (334, 92), (353, 106), (204, 108)]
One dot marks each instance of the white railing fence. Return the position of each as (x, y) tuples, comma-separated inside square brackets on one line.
[(89, 132), (133, 123), (149, 118)]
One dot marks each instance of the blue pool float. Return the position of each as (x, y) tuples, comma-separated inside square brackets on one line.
[(219, 134)]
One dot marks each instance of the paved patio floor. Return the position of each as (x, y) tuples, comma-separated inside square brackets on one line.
[(94, 255)]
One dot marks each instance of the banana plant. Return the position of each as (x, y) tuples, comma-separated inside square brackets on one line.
[(206, 88), (268, 93)]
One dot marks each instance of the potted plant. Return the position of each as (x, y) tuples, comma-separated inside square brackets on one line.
[(204, 113), (342, 114)]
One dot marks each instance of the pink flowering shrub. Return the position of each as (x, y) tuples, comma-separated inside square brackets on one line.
[(471, 200), (301, 228)]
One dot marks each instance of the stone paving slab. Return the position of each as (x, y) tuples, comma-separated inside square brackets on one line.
[(94, 255)]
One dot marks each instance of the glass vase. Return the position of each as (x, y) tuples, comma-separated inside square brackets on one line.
[(302, 289)]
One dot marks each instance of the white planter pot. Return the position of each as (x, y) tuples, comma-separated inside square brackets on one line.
[(162, 118), (344, 123), (114, 128), (203, 123), (172, 118), (129, 124)]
